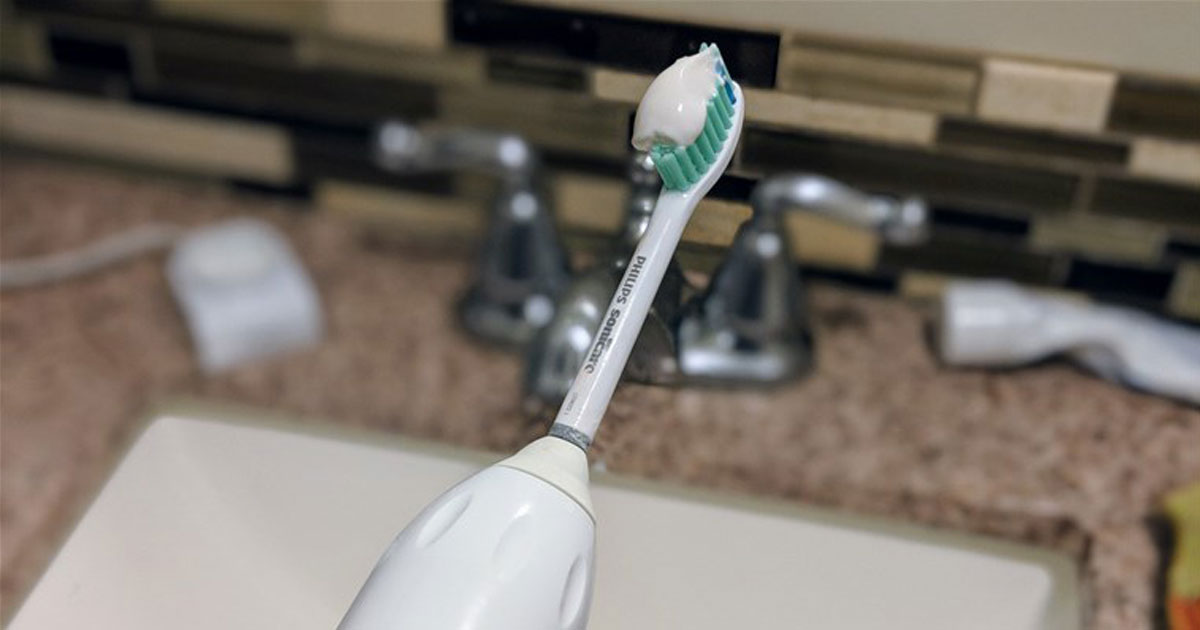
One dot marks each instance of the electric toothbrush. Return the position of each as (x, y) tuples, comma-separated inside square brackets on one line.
[(512, 547)]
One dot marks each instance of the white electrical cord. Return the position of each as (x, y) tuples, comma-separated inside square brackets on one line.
[(105, 252)]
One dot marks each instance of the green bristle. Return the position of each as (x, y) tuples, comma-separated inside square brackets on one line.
[(668, 169), (681, 176), (722, 99), (680, 167), (719, 130), (705, 147), (710, 132), (690, 171), (717, 113)]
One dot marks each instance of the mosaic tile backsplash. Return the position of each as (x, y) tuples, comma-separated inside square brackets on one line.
[(1083, 179)]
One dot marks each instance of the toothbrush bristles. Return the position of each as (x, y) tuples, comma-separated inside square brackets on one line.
[(680, 167)]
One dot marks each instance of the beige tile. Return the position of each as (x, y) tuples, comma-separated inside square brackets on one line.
[(584, 247), (555, 119), (1166, 159), (824, 241), (1118, 239), (888, 124), (924, 285), (876, 76), (1184, 299), (623, 87), (902, 126), (1045, 95), (441, 67), (715, 222), (288, 15), (698, 261), (418, 23), (416, 213), (23, 47), (700, 12), (155, 137), (537, 71), (589, 202)]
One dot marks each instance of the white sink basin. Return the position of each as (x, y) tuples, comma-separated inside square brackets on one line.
[(213, 524)]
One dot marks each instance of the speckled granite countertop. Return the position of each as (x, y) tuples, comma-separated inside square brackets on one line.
[(1046, 454)]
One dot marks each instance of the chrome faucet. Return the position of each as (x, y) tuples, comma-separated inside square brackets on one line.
[(751, 324), (523, 267), (556, 353)]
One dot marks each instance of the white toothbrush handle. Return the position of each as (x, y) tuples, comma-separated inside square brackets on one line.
[(585, 403)]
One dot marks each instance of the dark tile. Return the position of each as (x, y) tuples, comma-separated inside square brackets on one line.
[(535, 71), (223, 45), (965, 253), (622, 42), (1028, 144), (258, 87), (86, 7), (939, 178), (1150, 201), (1179, 248), (347, 154), (125, 14), (958, 218), (256, 74), (880, 280), (301, 191), (90, 61), (1156, 107), (733, 188), (1127, 284), (73, 51)]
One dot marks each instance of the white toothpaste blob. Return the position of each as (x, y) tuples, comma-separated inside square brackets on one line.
[(675, 106)]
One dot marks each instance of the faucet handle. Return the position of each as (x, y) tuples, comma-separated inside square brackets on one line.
[(523, 267), (751, 324), (400, 147), (403, 148), (907, 222), (901, 221)]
